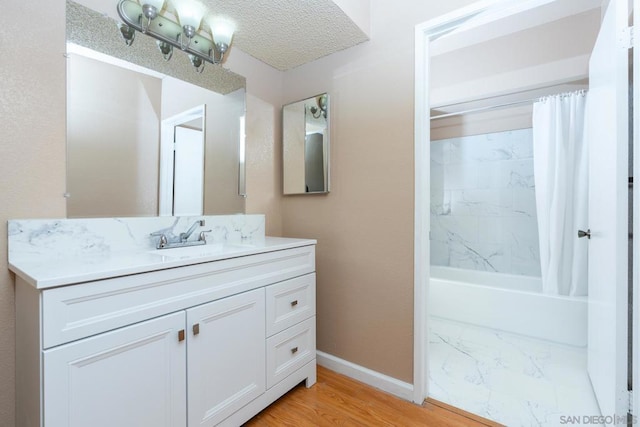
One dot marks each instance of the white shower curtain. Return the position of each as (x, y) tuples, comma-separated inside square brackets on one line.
[(560, 159)]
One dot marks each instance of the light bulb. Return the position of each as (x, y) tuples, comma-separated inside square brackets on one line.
[(190, 13), (222, 31)]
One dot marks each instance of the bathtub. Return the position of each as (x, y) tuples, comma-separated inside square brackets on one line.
[(507, 302)]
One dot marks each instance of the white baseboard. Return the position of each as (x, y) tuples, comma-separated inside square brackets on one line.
[(374, 379)]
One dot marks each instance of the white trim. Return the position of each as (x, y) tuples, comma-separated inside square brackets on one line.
[(421, 219), (635, 349), (375, 379), (479, 13)]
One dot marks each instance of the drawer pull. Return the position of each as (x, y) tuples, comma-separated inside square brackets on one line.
[(294, 350), (196, 329), (294, 303), (181, 335)]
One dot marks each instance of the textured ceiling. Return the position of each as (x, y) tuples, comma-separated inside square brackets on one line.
[(289, 33), (281, 33)]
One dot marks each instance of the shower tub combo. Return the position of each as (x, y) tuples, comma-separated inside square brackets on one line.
[(509, 303)]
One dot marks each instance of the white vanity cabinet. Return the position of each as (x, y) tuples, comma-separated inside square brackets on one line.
[(133, 376), (207, 344)]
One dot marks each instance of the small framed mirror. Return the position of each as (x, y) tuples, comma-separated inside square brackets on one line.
[(305, 146)]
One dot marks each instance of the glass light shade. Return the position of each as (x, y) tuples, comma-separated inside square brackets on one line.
[(158, 4), (189, 13), (221, 30)]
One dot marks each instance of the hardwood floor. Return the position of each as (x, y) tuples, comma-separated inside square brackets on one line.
[(336, 400)]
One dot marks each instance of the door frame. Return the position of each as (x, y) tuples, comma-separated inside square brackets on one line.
[(635, 136), (165, 188), (608, 303), (476, 14)]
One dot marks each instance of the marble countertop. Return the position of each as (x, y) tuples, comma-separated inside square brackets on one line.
[(46, 272)]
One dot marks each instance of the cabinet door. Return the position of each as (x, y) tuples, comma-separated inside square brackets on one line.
[(133, 376), (226, 356)]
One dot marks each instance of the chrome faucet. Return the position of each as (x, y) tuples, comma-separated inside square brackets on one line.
[(184, 236)]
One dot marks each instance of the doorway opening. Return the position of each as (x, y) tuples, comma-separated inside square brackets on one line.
[(518, 353)]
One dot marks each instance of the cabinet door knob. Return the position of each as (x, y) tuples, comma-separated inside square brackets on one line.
[(582, 234), (294, 303), (181, 335), (196, 329), (294, 350)]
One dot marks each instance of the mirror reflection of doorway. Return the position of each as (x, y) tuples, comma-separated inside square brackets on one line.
[(188, 178), (314, 163), (182, 163)]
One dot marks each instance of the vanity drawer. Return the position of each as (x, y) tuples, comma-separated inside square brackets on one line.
[(78, 311), (290, 302), (290, 350)]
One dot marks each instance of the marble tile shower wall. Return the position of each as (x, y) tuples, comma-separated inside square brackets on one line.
[(483, 207)]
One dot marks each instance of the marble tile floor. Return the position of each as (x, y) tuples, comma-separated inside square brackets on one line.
[(509, 378)]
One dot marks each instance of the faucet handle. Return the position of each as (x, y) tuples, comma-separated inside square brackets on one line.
[(203, 237), (163, 240)]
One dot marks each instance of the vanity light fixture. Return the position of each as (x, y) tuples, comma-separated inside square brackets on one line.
[(321, 109), (203, 39)]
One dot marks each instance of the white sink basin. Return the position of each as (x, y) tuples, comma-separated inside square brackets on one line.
[(190, 251), (242, 245)]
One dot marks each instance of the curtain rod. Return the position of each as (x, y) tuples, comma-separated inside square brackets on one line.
[(493, 107), (490, 107)]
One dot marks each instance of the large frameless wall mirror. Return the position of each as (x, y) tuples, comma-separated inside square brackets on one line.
[(147, 137), (305, 146)]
